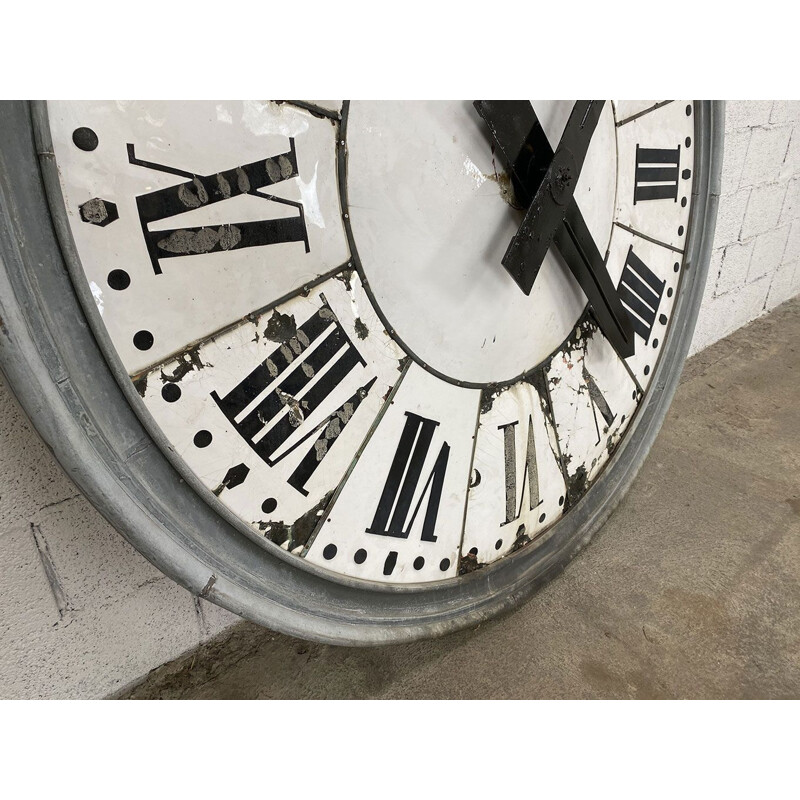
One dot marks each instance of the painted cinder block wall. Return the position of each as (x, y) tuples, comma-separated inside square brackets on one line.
[(82, 614), (755, 263)]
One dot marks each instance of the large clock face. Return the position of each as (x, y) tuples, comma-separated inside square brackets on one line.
[(394, 342)]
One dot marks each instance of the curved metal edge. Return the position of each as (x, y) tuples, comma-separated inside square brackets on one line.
[(185, 538)]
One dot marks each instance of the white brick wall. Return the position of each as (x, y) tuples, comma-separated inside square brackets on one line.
[(83, 614), (755, 264)]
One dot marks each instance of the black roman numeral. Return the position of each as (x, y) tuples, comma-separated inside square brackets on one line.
[(640, 292), (598, 403), (401, 484), (531, 472), (656, 174), (267, 422), (204, 190)]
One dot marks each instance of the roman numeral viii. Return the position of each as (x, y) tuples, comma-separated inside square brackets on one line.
[(391, 516), (530, 472), (276, 398), (656, 174), (640, 292), (200, 191)]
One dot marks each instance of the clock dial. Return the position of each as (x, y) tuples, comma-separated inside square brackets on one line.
[(311, 301)]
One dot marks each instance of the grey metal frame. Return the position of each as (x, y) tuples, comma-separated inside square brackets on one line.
[(84, 410)]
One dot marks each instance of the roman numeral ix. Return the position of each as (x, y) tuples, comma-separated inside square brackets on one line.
[(530, 472), (656, 174), (391, 516), (640, 292), (277, 397), (200, 191)]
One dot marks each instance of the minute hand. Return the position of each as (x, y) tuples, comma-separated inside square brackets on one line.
[(577, 247), (547, 210)]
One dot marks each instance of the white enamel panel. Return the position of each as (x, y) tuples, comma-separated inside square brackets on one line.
[(343, 539), (665, 266), (489, 534), (666, 128), (265, 497), (195, 295), (431, 222), (586, 435)]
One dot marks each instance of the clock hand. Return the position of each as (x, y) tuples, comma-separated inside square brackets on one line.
[(577, 247), (548, 207), (522, 143), (574, 241)]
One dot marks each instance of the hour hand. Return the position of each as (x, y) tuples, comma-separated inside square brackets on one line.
[(553, 197)]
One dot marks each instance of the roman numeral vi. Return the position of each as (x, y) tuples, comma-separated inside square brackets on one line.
[(530, 472)]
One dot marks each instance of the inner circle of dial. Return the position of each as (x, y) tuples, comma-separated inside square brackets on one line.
[(429, 212)]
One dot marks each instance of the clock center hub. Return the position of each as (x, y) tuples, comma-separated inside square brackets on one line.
[(431, 222)]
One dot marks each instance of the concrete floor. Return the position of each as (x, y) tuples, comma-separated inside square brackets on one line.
[(691, 590)]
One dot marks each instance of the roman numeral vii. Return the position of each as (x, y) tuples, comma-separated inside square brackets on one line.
[(392, 514)]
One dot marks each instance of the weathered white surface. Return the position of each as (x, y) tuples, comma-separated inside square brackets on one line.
[(755, 264), (120, 618)]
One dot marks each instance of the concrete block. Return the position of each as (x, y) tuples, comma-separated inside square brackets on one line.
[(27, 604), (30, 477), (767, 253), (792, 250), (784, 284), (763, 209), (96, 564), (721, 315), (791, 203), (101, 650), (785, 111), (791, 164), (734, 267), (714, 267), (730, 216), (736, 144), (765, 155), (747, 113)]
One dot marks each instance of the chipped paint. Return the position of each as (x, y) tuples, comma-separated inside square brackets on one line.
[(362, 331), (97, 294)]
